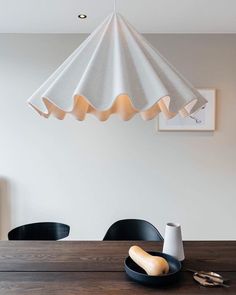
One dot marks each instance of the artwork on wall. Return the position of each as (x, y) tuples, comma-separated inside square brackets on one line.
[(202, 120)]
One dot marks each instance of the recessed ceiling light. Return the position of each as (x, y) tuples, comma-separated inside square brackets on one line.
[(82, 16)]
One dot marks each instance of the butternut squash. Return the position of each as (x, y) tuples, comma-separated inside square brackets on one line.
[(153, 265)]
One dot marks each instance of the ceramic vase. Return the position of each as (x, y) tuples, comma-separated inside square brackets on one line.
[(173, 244)]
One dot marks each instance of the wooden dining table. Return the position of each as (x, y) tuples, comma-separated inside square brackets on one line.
[(97, 267)]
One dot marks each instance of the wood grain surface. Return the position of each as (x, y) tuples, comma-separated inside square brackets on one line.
[(93, 267), (97, 283)]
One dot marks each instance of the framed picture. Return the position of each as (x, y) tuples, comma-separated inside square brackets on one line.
[(202, 120)]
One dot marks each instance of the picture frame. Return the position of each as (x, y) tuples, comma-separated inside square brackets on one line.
[(202, 120)]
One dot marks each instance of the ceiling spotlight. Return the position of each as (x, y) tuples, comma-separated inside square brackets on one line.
[(82, 16)]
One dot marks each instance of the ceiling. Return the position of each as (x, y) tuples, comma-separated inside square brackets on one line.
[(148, 16)]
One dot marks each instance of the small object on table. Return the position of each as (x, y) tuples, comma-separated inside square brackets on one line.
[(208, 279), (153, 265), (173, 244), (138, 274)]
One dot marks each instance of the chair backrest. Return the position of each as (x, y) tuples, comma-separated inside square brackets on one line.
[(40, 231), (133, 229)]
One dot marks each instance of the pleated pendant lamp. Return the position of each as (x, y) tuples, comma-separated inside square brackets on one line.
[(116, 71)]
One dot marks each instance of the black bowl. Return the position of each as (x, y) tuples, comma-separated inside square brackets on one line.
[(137, 274)]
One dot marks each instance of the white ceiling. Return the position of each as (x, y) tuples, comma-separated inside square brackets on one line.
[(148, 16)]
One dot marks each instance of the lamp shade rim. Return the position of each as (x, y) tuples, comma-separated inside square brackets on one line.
[(122, 105)]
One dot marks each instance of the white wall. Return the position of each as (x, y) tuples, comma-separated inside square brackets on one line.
[(89, 174)]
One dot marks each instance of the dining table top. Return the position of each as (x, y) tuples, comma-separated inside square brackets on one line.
[(97, 267)]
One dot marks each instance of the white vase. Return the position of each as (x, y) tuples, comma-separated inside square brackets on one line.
[(173, 244)]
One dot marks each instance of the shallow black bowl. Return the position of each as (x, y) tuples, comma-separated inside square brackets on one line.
[(137, 274)]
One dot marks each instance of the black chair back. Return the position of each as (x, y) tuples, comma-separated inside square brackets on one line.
[(52, 231), (133, 230)]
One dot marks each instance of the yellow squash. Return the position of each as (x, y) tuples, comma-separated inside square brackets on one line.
[(153, 265)]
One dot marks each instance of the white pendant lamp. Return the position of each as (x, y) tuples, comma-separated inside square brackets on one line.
[(116, 71)]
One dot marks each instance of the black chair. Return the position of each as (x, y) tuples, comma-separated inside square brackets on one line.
[(133, 230), (40, 231)]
